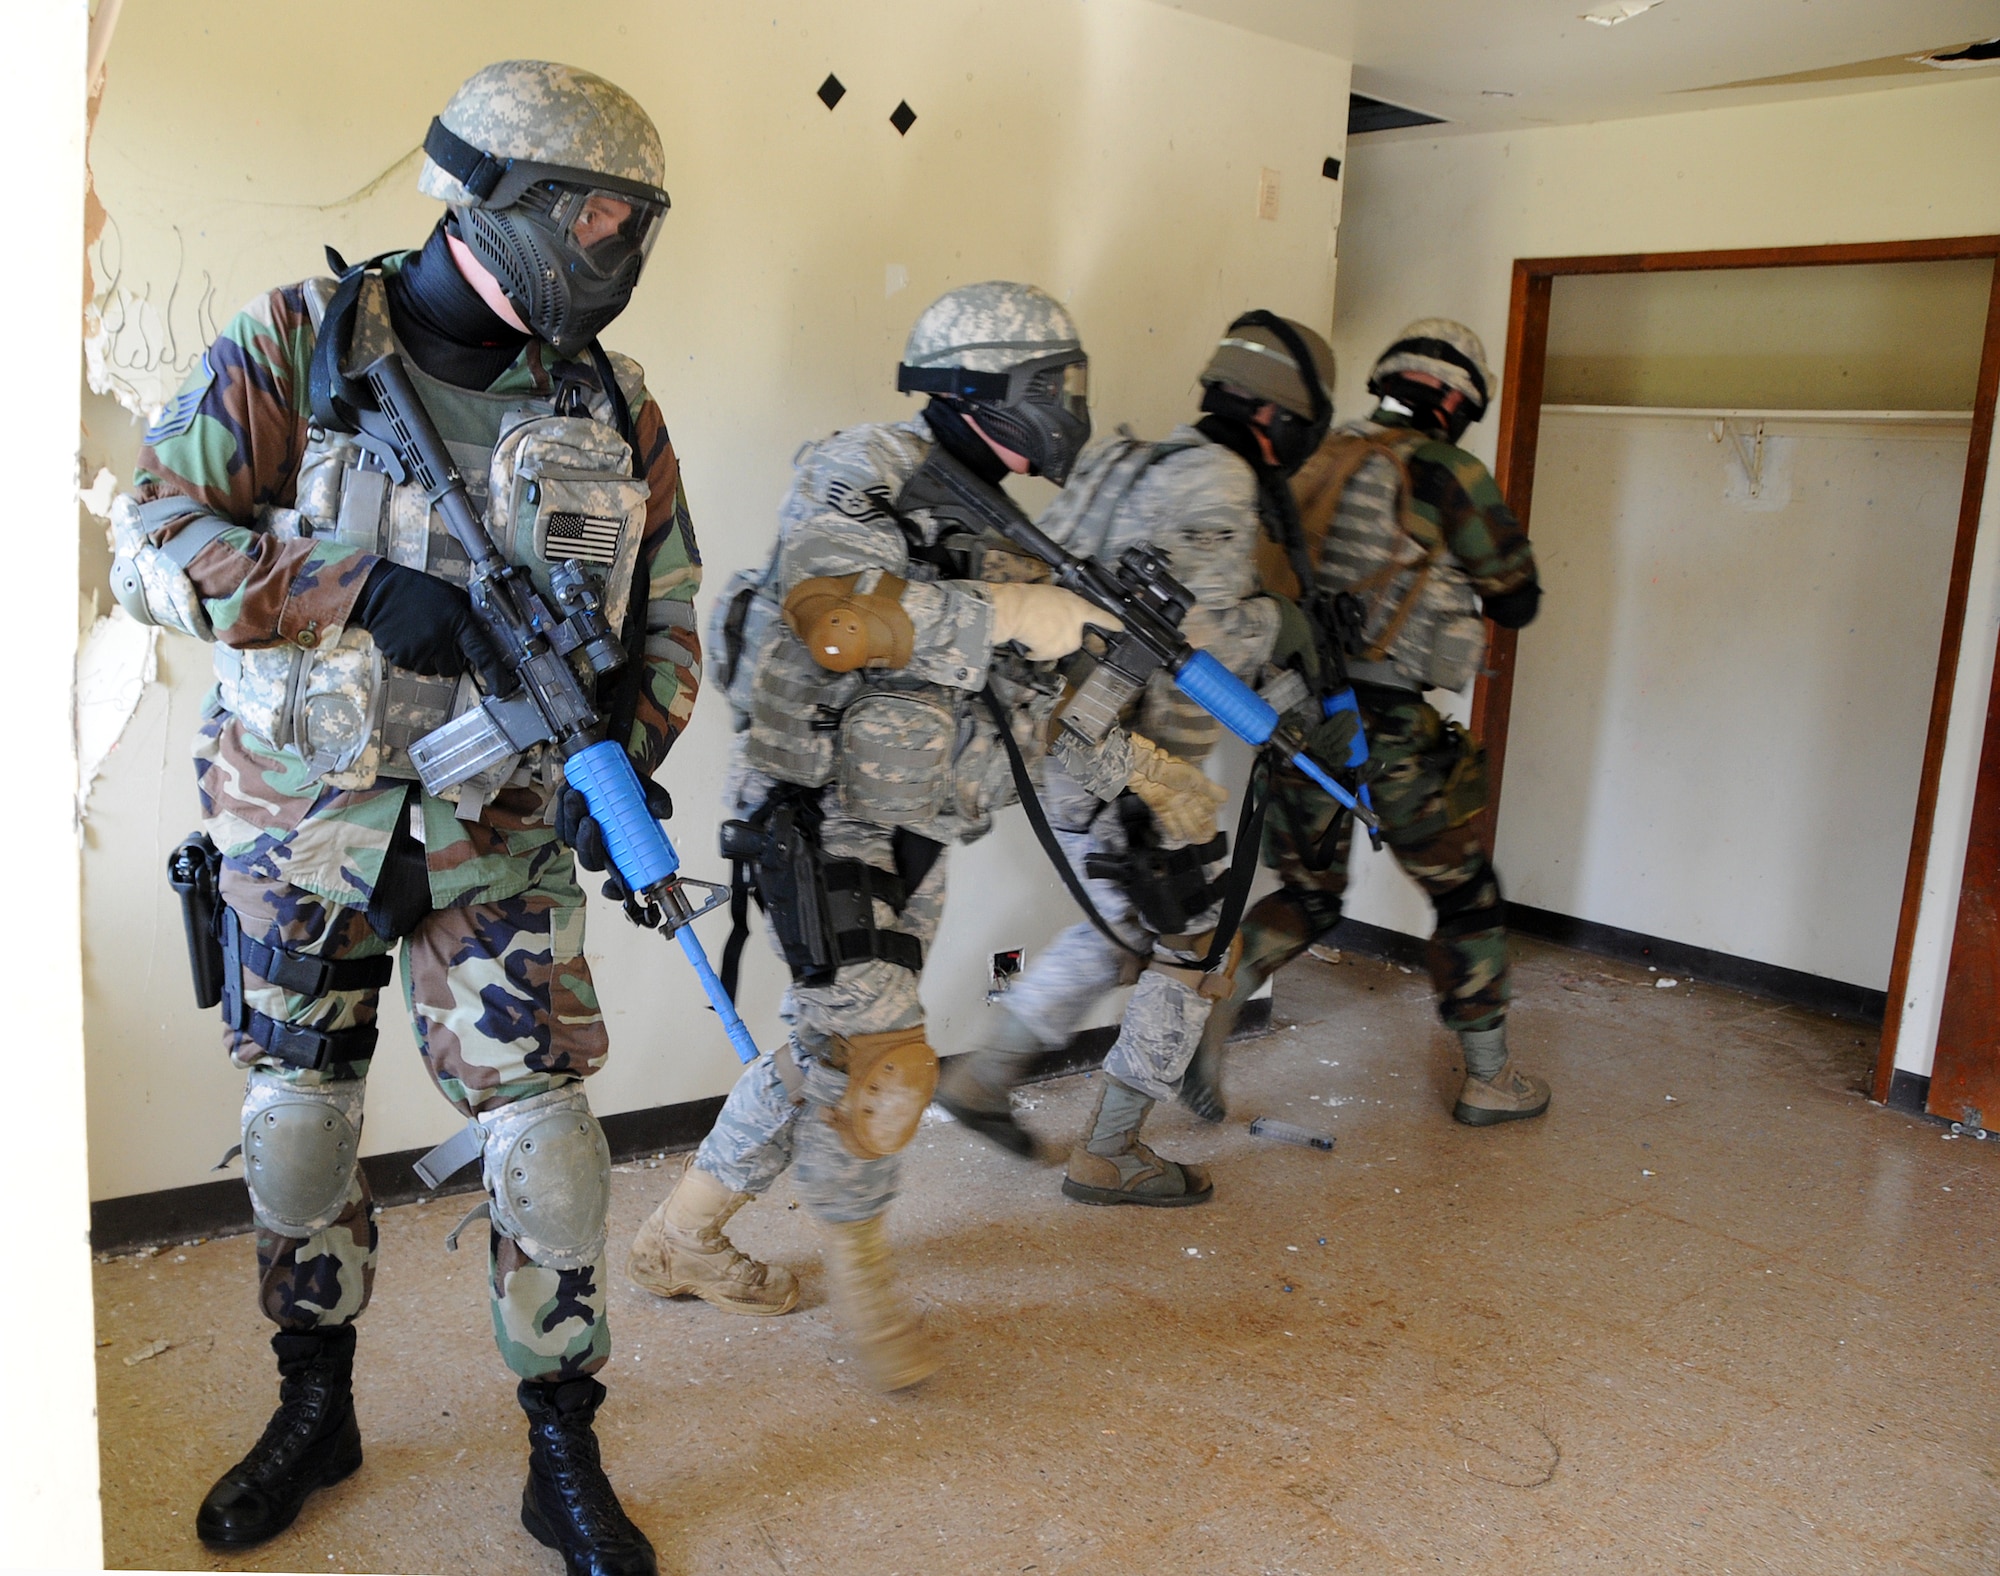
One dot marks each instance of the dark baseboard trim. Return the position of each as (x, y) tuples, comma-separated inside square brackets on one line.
[(1833, 997), (1909, 1092), (222, 1208)]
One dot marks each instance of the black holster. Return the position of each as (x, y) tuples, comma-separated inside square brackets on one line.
[(823, 910), (1168, 886), (193, 870)]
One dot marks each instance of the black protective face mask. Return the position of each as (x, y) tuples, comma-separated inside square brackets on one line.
[(567, 257)]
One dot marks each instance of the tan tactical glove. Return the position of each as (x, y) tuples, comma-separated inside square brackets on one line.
[(1183, 798), (1047, 620)]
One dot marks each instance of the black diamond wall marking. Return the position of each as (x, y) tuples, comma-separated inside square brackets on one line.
[(832, 90), (1331, 169), (903, 118)]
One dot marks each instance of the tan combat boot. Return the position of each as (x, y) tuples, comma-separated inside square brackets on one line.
[(681, 1252), (1495, 1090), (887, 1337), (1111, 1166)]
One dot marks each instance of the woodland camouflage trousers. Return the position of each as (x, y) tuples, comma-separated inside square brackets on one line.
[(1429, 787), (503, 1007)]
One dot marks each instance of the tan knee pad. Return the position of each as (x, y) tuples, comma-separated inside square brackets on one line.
[(890, 1079)]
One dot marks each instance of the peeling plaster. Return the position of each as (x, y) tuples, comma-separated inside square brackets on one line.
[(120, 657)]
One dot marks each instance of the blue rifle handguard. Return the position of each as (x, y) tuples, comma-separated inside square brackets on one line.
[(638, 845), (1245, 713), (644, 856)]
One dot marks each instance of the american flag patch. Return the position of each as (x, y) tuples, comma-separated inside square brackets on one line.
[(586, 537)]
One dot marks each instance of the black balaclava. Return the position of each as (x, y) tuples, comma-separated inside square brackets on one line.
[(449, 331), (1275, 503), (948, 424)]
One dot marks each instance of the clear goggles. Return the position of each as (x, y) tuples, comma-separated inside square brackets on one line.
[(610, 231), (1063, 383)]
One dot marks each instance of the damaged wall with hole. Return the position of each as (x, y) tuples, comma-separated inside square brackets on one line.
[(1803, 173), (802, 242)]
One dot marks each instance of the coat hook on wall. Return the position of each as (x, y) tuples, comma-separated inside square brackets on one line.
[(1749, 451)]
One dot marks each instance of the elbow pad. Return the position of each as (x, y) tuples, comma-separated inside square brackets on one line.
[(846, 628), (1514, 609), (151, 582)]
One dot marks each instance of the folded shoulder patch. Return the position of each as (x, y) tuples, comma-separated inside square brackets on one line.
[(178, 414)]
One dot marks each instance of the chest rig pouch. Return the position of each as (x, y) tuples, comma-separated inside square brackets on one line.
[(1417, 609), (553, 478)]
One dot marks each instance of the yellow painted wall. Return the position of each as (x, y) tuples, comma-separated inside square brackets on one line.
[(1433, 226), (1056, 140)]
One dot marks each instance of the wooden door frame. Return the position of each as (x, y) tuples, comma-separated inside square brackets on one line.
[(1520, 435)]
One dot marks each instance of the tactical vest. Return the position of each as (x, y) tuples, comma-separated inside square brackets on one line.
[(1420, 622), (898, 749), (552, 478), (1162, 713)]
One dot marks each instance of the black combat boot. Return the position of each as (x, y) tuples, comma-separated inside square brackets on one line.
[(311, 1441), (568, 1503)]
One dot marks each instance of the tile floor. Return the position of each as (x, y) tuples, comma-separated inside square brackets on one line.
[(1714, 1313)]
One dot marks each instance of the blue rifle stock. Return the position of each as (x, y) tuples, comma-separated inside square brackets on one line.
[(549, 703), (1150, 603)]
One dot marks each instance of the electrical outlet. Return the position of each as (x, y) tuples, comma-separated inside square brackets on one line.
[(1005, 966), (1267, 194)]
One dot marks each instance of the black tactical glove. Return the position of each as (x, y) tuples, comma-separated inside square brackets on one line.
[(1514, 609), (427, 625), (576, 826)]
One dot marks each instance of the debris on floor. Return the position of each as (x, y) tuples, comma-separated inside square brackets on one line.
[(1289, 1133)]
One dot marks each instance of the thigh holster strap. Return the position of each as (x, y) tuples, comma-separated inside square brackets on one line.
[(852, 890), (296, 1044), (298, 972)]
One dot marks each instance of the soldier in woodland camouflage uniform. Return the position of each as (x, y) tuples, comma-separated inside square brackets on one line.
[(1407, 537), (1199, 495), (856, 661), (342, 634)]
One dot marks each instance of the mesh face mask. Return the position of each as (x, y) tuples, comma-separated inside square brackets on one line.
[(567, 245)]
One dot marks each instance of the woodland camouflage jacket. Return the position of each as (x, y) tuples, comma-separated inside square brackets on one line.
[(231, 442)]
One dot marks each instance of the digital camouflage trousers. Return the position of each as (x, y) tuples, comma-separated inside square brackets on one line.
[(1429, 787), (501, 999), (764, 1126)]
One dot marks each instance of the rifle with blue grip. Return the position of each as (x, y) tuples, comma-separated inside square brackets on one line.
[(549, 704), (1150, 603)]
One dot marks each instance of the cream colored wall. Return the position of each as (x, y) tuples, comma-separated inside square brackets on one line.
[(1060, 141), (1874, 336), (1434, 226)]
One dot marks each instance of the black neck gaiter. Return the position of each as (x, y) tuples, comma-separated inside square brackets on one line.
[(448, 330), (963, 444), (1276, 506)]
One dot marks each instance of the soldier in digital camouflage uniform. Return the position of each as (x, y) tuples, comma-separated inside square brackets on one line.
[(1200, 496), (1412, 531), (856, 661), (342, 634)]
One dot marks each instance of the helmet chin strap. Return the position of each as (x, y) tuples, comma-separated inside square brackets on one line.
[(480, 277)]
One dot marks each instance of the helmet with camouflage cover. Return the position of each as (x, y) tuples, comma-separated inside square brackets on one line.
[(1265, 359), (554, 180), (1451, 356), (1007, 355)]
